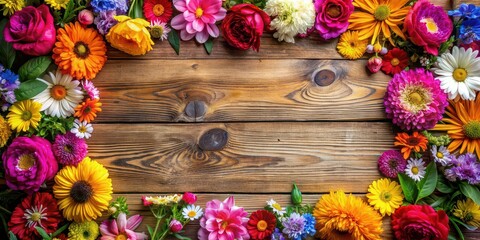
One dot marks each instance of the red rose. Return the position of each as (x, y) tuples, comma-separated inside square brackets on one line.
[(243, 26), (420, 222)]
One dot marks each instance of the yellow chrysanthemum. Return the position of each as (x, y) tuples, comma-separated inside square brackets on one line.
[(350, 46), (345, 217), (468, 211), (83, 231), (378, 17), (5, 132), (84, 191), (385, 195), (57, 4), (24, 114), (11, 6), (130, 35)]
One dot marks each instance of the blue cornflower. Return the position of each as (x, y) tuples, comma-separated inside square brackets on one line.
[(277, 235), (103, 5), (309, 229), (122, 7), (294, 226), (470, 31), (469, 11), (9, 80)]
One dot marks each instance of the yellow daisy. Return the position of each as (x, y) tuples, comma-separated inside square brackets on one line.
[(350, 46), (24, 114), (83, 191), (385, 195), (468, 211), (58, 4), (11, 6), (5, 132), (83, 231)]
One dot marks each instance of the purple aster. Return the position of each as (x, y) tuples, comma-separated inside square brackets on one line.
[(105, 21), (464, 167), (69, 149), (90, 89), (122, 6), (277, 235), (391, 162), (414, 100), (469, 11), (441, 155), (294, 226)]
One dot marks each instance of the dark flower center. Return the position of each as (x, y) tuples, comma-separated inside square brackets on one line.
[(81, 191), (87, 110), (81, 50), (26, 115), (334, 11), (382, 13), (393, 163), (68, 148), (413, 141)]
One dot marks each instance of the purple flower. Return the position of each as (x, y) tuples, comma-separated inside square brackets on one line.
[(469, 31), (122, 6), (391, 162), (277, 235), (105, 21), (414, 100), (28, 163), (69, 149), (103, 5), (464, 167), (294, 226), (90, 89), (332, 17), (469, 11)]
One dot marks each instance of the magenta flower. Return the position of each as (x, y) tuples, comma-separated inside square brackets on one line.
[(332, 17), (121, 227), (223, 220), (69, 149), (175, 226), (198, 19), (189, 198), (28, 163)]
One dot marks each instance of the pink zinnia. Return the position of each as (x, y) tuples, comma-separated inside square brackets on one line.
[(189, 198), (414, 100), (198, 18), (121, 227), (391, 162), (223, 220), (69, 149)]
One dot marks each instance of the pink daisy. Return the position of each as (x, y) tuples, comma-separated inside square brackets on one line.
[(90, 89)]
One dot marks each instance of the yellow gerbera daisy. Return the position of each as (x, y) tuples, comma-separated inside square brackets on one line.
[(468, 211), (24, 114), (340, 216), (83, 231), (11, 6), (84, 191), (462, 125), (385, 195), (378, 17), (58, 4), (5, 132), (350, 46)]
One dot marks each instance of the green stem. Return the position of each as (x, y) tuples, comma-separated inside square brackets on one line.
[(156, 228), (5, 210), (164, 234)]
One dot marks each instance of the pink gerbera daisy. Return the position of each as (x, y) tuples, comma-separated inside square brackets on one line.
[(158, 10), (90, 89)]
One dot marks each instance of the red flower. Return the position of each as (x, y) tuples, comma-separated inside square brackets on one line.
[(420, 222), (243, 26), (395, 61), (261, 224), (39, 209), (158, 10), (189, 198)]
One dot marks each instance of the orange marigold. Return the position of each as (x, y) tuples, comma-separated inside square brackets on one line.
[(87, 111), (79, 51), (416, 142)]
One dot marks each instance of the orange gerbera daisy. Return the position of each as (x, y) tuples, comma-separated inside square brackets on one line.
[(79, 51), (462, 125), (87, 111), (378, 17), (416, 142)]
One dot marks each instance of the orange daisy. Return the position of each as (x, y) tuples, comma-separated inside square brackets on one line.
[(462, 125), (87, 111), (79, 51), (416, 142)]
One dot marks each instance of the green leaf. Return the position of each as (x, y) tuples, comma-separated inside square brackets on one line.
[(11, 236), (443, 186), (42, 233), (174, 40), (150, 231), (439, 201), (34, 68), (60, 230), (178, 236), (29, 89), (455, 219), (470, 192), (7, 53), (457, 230), (408, 187), (136, 9), (208, 46), (427, 185)]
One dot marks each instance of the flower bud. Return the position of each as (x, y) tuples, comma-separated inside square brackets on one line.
[(175, 226), (85, 17), (296, 195), (189, 198), (374, 64), (384, 51), (369, 48), (377, 47)]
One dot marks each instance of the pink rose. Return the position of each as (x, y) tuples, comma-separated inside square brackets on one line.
[(332, 17), (31, 30), (374, 64), (189, 198), (85, 17)]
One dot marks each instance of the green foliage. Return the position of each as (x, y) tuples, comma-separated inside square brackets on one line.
[(296, 195), (174, 40), (50, 126), (70, 13), (230, 3), (136, 9), (34, 68), (7, 53), (208, 46), (427, 185), (409, 187), (442, 140), (118, 206), (443, 185), (29, 89), (470, 191)]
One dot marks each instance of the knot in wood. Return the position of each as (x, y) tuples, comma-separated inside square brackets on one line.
[(324, 77), (213, 140), (196, 109)]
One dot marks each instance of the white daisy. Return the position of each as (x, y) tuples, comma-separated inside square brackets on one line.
[(61, 96), (82, 129), (441, 155), (415, 169), (459, 73), (192, 212), (276, 207), (292, 17)]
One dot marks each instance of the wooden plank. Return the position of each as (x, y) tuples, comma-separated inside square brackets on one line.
[(457, 3), (239, 90), (257, 157)]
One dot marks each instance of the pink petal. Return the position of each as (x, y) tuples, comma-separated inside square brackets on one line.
[(213, 30), (104, 229), (180, 5), (202, 37), (134, 221), (178, 22), (107, 238), (141, 236), (198, 25), (189, 28), (189, 16), (122, 222), (192, 5), (230, 202), (185, 36), (113, 227)]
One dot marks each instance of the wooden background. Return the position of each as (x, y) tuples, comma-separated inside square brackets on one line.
[(241, 123)]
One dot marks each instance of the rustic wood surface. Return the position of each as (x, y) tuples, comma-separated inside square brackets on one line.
[(241, 123)]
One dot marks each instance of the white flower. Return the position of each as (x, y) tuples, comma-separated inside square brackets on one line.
[(277, 209), (441, 155), (459, 73), (415, 169), (61, 96), (192, 212), (82, 129), (292, 17)]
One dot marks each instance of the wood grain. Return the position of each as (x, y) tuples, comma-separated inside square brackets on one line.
[(239, 90)]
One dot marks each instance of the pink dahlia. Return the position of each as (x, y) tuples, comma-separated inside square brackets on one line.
[(414, 100), (223, 220), (391, 162), (69, 149), (122, 228), (428, 26), (332, 17), (198, 18), (28, 163)]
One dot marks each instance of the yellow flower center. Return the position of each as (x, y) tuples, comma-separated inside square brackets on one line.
[(385, 196), (224, 225), (26, 115), (192, 214), (58, 92), (121, 237), (25, 161), (82, 129), (415, 170), (81, 191), (277, 206), (472, 129), (430, 25), (81, 50), (440, 155), (199, 13), (262, 225), (333, 11), (415, 98), (382, 13), (158, 10), (395, 62), (35, 216), (460, 74)]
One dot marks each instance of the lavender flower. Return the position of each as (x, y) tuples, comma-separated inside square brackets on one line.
[(9, 81), (294, 226), (105, 21), (121, 6), (441, 155), (277, 235), (464, 167)]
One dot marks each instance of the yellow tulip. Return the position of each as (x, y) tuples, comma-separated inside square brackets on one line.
[(130, 36)]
